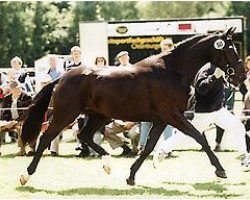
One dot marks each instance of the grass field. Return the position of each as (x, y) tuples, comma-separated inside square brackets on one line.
[(188, 175)]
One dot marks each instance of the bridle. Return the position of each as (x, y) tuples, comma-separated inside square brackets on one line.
[(230, 68)]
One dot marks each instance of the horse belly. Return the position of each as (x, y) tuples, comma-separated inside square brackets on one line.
[(120, 106)]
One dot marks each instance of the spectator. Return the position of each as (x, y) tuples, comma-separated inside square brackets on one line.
[(166, 46), (21, 76), (118, 126), (76, 58), (115, 141), (81, 120), (100, 61), (3, 79), (53, 74), (16, 99), (246, 113), (10, 76), (123, 58), (243, 88)]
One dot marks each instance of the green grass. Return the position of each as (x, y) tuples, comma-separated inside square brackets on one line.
[(187, 175), (149, 191)]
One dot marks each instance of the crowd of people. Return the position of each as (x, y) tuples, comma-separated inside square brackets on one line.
[(213, 98)]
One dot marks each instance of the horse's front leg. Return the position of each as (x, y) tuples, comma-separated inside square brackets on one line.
[(154, 135), (186, 127)]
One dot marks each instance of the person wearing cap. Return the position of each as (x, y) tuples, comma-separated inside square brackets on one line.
[(76, 62), (167, 45), (22, 76), (76, 58), (130, 129), (123, 58), (17, 98)]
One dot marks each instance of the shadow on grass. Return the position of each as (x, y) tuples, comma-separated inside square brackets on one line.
[(217, 188), (138, 190), (69, 156)]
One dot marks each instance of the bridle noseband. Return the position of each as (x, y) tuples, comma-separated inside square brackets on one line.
[(230, 70)]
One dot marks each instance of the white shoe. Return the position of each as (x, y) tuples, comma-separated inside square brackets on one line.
[(158, 158), (106, 163)]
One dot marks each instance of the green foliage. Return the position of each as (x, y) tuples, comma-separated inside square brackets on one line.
[(31, 30), (14, 37), (123, 10), (35, 28), (176, 9), (241, 8)]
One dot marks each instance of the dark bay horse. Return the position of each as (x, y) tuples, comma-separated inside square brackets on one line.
[(155, 89)]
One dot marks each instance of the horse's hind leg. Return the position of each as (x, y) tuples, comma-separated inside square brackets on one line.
[(53, 130), (154, 135), (186, 127), (95, 123)]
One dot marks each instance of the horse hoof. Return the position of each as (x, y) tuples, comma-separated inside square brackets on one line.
[(221, 173), (24, 179), (107, 169), (130, 181), (106, 163)]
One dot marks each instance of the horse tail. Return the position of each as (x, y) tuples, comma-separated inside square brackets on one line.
[(35, 115)]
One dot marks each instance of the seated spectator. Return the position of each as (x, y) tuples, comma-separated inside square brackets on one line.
[(10, 76), (3, 78), (16, 99), (132, 132)]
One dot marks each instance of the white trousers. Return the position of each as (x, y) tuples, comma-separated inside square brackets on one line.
[(54, 145), (223, 118)]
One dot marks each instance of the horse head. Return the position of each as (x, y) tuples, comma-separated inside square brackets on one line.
[(226, 57)]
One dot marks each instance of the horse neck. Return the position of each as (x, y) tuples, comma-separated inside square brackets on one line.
[(189, 63)]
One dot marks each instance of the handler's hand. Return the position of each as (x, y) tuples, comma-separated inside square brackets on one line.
[(218, 73)]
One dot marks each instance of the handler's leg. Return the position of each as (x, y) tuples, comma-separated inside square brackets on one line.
[(234, 126)]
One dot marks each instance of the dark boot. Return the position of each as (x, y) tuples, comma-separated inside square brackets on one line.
[(126, 150), (84, 151)]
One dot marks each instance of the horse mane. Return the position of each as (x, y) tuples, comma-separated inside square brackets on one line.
[(189, 42), (179, 47)]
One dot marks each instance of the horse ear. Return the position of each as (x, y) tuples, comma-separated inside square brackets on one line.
[(230, 32)]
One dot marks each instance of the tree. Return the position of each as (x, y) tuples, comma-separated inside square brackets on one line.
[(241, 9), (180, 9), (37, 38), (109, 11), (14, 36)]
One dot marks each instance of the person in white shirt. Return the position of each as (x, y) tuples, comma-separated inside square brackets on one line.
[(21, 76)]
